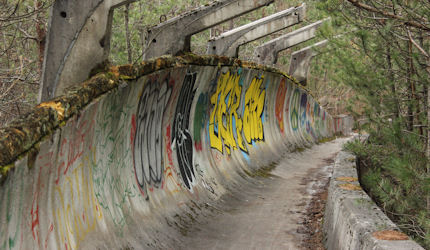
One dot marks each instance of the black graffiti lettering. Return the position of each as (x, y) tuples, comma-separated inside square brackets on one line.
[(181, 134), (148, 146)]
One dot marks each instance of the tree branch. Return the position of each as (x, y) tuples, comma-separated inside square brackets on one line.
[(410, 23)]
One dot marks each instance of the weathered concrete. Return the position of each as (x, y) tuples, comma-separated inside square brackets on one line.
[(300, 61), (228, 43), (133, 156), (267, 213), (267, 53), (343, 124), (351, 217), (174, 35), (78, 39)]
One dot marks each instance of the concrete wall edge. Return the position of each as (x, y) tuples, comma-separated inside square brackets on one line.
[(352, 220)]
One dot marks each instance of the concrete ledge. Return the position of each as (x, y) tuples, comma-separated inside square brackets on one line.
[(352, 220)]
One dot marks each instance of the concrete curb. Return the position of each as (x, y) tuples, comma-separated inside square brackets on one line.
[(351, 217)]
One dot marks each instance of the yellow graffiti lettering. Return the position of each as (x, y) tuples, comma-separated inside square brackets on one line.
[(254, 106), (225, 122), (226, 126), (78, 208)]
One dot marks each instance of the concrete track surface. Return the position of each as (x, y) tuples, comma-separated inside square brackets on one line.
[(137, 157), (268, 214)]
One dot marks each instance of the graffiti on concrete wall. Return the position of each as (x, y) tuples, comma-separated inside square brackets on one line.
[(11, 212), (45, 162), (182, 138), (112, 188), (225, 125), (294, 110), (147, 150), (92, 176), (303, 108), (228, 127), (75, 210), (279, 105), (78, 211), (317, 120), (255, 96), (172, 184), (200, 118)]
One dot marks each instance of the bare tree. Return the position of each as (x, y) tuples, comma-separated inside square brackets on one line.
[(22, 35)]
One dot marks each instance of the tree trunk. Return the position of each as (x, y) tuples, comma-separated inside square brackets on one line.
[(427, 106), (411, 87), (393, 85), (428, 139), (41, 33), (127, 33)]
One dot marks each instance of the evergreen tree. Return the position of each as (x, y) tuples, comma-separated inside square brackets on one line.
[(385, 61)]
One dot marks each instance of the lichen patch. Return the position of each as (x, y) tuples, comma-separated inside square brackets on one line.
[(57, 106)]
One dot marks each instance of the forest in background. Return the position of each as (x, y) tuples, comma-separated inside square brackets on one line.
[(384, 58), (375, 68), (23, 29)]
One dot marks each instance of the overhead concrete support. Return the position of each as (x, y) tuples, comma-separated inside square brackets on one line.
[(300, 61), (78, 40), (227, 44), (174, 35), (267, 53)]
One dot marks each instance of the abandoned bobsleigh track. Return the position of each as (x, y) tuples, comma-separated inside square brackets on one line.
[(118, 160)]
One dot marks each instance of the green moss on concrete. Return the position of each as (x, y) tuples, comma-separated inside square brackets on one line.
[(262, 172), (327, 139), (4, 171), (25, 132), (298, 149)]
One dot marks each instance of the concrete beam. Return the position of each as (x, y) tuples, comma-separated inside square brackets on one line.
[(78, 40), (267, 53), (228, 43), (174, 35), (300, 61)]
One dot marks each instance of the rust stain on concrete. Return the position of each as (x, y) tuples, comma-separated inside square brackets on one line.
[(349, 186), (347, 178), (390, 235)]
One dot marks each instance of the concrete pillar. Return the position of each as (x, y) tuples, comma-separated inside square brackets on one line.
[(227, 44), (174, 35), (300, 61), (267, 53), (78, 40)]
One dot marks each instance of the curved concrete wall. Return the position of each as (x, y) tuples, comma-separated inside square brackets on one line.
[(162, 142)]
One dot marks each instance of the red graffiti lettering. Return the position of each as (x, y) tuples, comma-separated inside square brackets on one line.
[(280, 99), (169, 145), (74, 148)]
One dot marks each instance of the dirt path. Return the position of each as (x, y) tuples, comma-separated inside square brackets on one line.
[(275, 213)]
